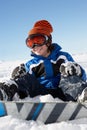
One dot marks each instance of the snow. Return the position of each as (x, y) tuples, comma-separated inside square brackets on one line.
[(11, 123)]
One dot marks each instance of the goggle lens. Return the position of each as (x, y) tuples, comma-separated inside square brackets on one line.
[(36, 40)]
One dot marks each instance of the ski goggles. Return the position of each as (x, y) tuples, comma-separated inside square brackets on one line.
[(36, 40)]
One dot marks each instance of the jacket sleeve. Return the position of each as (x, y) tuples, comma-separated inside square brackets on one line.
[(28, 66)]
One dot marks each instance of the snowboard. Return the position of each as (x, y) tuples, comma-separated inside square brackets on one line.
[(46, 112)]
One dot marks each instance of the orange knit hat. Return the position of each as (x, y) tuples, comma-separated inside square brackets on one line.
[(41, 27)]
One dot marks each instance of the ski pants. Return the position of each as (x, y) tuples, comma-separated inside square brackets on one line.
[(68, 90), (72, 87), (28, 85)]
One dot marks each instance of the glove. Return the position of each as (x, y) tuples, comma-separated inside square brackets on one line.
[(70, 68), (18, 71)]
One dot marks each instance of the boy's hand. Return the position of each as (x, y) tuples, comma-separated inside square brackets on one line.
[(70, 68), (18, 71)]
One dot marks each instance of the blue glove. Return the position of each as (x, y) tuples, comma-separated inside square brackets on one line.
[(70, 68)]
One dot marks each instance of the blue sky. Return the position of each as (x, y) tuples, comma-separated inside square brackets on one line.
[(68, 18)]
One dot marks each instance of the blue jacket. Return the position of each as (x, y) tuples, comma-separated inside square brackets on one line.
[(46, 70)]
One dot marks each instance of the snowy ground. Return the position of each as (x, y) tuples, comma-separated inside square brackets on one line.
[(11, 123)]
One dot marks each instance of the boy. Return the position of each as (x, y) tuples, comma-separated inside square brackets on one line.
[(49, 72)]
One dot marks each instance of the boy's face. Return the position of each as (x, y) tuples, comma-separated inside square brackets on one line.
[(38, 44), (41, 50)]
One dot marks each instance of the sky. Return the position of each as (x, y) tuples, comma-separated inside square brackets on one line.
[(17, 17)]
